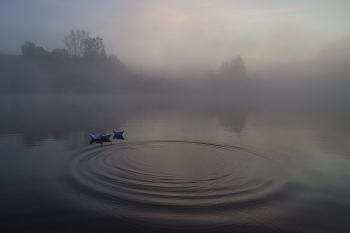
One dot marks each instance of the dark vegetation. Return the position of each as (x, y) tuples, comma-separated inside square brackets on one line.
[(84, 68)]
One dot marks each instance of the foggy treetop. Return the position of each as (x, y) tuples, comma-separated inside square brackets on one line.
[(83, 67), (78, 44)]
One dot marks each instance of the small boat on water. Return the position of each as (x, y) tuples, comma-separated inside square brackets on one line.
[(106, 137), (100, 136), (96, 137), (118, 133)]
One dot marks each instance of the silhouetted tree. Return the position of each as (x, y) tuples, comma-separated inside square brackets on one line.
[(234, 69), (60, 54), (93, 47), (231, 77), (75, 42), (40, 52), (28, 49), (209, 75), (114, 60), (103, 56)]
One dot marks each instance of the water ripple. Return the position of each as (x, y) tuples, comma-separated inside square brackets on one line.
[(176, 177)]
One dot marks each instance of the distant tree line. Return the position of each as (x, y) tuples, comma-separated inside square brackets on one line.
[(230, 78), (83, 67), (233, 69), (79, 45), (29, 50), (74, 42)]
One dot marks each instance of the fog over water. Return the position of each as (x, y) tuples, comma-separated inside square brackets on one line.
[(235, 116), (185, 165)]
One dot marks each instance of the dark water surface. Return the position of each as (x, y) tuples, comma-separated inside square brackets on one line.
[(185, 165)]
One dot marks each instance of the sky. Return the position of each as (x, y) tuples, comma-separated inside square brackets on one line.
[(188, 36)]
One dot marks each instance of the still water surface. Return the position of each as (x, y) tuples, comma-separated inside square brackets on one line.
[(185, 165)]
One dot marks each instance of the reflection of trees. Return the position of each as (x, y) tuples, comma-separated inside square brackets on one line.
[(40, 118), (231, 116), (234, 69), (233, 119), (231, 77)]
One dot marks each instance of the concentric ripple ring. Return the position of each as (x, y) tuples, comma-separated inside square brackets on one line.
[(177, 176)]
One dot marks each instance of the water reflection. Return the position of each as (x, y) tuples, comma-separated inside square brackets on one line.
[(208, 165), (39, 118), (233, 117), (120, 137), (158, 177), (100, 141)]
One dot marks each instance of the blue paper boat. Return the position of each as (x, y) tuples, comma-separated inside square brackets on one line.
[(105, 137), (96, 137), (119, 133), (100, 136)]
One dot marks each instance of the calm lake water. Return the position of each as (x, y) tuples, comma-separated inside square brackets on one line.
[(185, 165)]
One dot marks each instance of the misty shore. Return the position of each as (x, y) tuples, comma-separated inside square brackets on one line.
[(24, 76)]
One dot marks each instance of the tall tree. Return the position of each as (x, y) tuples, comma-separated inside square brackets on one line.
[(233, 69), (59, 54), (74, 42), (93, 48), (28, 49), (40, 52)]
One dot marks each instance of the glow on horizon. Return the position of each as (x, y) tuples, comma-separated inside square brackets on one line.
[(172, 33)]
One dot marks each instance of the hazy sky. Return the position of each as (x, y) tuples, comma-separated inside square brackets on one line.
[(183, 35)]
